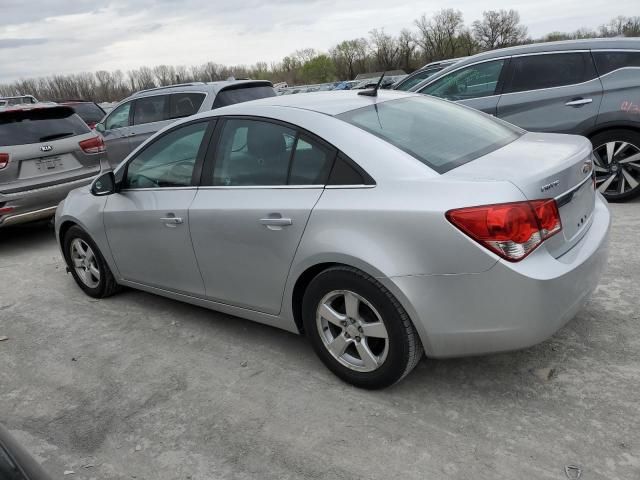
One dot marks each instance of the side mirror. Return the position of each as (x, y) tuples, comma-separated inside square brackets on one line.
[(100, 127), (105, 184)]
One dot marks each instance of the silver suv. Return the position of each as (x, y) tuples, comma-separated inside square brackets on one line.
[(144, 113), (45, 152), (584, 87)]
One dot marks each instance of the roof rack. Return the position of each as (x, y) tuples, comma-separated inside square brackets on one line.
[(192, 84)]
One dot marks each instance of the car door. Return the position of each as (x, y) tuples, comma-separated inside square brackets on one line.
[(116, 131), (248, 217), (147, 221), (477, 86), (551, 92), (150, 114)]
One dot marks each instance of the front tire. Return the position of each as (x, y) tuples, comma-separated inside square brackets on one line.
[(87, 265), (617, 164), (358, 329)]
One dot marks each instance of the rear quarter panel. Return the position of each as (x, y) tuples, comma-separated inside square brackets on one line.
[(621, 99)]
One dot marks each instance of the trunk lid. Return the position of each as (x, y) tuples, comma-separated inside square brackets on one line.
[(43, 145), (542, 166)]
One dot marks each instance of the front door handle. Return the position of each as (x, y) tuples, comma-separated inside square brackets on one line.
[(276, 222), (132, 134), (171, 221), (579, 102)]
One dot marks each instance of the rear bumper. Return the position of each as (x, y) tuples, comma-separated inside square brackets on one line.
[(511, 305), (37, 203)]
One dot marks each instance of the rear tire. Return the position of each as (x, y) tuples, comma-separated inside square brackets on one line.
[(87, 265), (358, 328), (617, 178)]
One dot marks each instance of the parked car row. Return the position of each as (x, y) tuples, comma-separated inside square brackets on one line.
[(48, 149), (580, 87)]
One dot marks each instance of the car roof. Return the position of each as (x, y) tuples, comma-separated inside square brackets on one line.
[(332, 102), (586, 44), (30, 106), (208, 87)]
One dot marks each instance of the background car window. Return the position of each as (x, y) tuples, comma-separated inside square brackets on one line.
[(475, 81), (533, 72), (416, 78), (607, 62), (185, 104), (119, 117), (311, 162), (149, 109), (22, 127), (242, 93), (252, 152), (169, 161)]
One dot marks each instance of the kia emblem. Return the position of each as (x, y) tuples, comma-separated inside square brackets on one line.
[(46, 148)]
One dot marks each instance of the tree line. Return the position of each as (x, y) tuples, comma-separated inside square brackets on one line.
[(440, 36)]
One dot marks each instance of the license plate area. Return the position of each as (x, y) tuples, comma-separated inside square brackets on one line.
[(576, 213), (47, 166)]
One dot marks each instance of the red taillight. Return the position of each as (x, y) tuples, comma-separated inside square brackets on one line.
[(512, 230), (4, 210), (93, 145), (4, 160)]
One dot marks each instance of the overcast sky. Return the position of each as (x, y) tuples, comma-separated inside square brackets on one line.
[(44, 37)]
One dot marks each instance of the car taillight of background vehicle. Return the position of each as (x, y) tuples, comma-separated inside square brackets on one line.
[(93, 145), (4, 160), (512, 230)]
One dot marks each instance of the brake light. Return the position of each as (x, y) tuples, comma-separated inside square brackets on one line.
[(4, 160), (512, 230), (93, 145), (4, 210)]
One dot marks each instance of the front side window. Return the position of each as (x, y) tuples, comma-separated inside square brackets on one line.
[(533, 72), (439, 134), (169, 161), (119, 118), (475, 81), (607, 62), (185, 104), (259, 153), (149, 109)]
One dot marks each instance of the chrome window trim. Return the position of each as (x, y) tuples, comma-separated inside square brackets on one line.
[(157, 189), (340, 187), (261, 187)]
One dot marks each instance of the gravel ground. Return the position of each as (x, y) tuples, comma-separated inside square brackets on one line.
[(137, 386)]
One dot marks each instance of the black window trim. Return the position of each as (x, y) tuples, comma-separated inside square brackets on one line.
[(554, 52), (210, 158), (200, 157)]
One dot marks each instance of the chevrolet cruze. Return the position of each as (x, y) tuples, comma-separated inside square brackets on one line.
[(381, 226)]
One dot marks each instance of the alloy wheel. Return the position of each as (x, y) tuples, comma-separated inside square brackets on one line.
[(617, 167), (85, 263), (352, 330)]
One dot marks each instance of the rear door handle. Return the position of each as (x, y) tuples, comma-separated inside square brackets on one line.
[(276, 222), (578, 102)]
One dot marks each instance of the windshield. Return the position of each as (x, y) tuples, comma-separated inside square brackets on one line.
[(89, 112), (21, 127), (440, 134), (416, 78)]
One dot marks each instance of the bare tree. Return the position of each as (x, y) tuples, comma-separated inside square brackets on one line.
[(164, 75), (385, 49), (346, 56), (406, 47), (438, 34), (499, 29)]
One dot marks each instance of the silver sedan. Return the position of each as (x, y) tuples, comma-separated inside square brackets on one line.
[(383, 227)]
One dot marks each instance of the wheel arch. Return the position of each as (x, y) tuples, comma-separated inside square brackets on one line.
[(598, 129)]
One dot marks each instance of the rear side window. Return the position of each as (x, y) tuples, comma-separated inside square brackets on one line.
[(607, 62), (441, 135), (230, 96), (311, 162), (22, 127), (344, 172), (185, 104), (149, 109), (89, 112), (533, 72)]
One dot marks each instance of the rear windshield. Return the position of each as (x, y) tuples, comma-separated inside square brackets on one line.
[(89, 112), (440, 134), (244, 94), (20, 127)]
